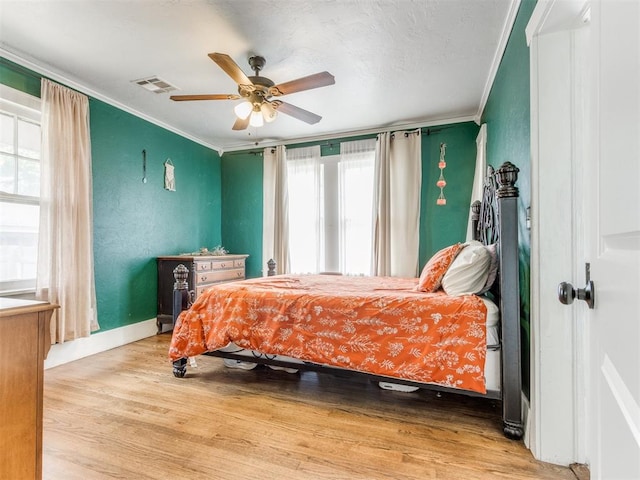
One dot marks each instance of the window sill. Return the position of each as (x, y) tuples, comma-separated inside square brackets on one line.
[(27, 294)]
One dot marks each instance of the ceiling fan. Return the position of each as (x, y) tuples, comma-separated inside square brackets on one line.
[(257, 91)]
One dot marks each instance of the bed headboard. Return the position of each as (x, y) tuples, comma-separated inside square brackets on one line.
[(495, 220), (484, 215)]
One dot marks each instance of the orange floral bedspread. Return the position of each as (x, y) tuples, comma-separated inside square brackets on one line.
[(379, 325)]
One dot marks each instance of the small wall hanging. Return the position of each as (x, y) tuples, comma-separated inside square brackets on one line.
[(169, 178), (441, 183), (144, 166)]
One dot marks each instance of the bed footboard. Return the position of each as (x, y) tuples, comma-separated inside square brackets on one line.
[(182, 300)]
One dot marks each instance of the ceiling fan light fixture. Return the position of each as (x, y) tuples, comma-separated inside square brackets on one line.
[(268, 112), (254, 92), (256, 119), (243, 109)]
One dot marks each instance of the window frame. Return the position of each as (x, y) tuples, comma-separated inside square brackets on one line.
[(27, 108), (330, 211)]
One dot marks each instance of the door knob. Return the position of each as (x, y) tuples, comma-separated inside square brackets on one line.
[(567, 293)]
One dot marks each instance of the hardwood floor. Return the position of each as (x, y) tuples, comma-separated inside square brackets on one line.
[(122, 414)]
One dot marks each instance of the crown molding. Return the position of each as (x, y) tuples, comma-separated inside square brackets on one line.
[(54, 74)]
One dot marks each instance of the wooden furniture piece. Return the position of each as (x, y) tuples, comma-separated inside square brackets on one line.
[(24, 344), (495, 221), (204, 271)]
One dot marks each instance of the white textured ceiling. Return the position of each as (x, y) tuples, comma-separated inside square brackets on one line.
[(396, 63)]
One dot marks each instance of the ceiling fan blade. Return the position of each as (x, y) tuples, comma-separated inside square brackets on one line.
[(220, 96), (241, 123), (231, 68), (316, 80), (296, 112)]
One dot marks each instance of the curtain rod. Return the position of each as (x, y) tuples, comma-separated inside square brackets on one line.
[(425, 130), (328, 143), (406, 134), (430, 130), (260, 152), (243, 152)]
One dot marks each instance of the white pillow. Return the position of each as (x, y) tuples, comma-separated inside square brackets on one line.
[(493, 268), (469, 271)]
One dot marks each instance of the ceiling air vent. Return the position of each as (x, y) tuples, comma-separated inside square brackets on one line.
[(155, 85)]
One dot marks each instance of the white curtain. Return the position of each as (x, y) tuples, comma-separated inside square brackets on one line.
[(275, 233), (306, 232), (65, 252), (481, 169), (398, 179), (356, 177)]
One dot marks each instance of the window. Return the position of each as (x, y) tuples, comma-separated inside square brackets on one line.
[(356, 184), (19, 189), (331, 208), (306, 225)]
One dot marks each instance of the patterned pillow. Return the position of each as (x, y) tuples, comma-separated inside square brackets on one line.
[(436, 267)]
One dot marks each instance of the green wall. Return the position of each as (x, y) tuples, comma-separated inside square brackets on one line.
[(242, 207), (135, 222), (507, 115), (439, 225), (443, 225), (19, 77)]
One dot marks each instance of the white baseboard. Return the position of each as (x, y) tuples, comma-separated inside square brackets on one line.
[(526, 407), (99, 342)]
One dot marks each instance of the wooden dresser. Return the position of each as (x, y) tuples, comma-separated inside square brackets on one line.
[(204, 271), (24, 344)]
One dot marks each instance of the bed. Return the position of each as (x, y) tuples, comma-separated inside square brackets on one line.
[(454, 329)]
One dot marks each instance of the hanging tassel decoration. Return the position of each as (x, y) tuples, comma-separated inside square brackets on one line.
[(441, 183)]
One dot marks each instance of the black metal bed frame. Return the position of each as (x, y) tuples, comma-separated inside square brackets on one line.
[(495, 220)]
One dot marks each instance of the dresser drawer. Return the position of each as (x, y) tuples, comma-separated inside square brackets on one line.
[(219, 276), (238, 263), (206, 280), (201, 289), (221, 264), (202, 266)]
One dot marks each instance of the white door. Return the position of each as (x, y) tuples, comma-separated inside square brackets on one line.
[(558, 37), (585, 138), (612, 220)]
